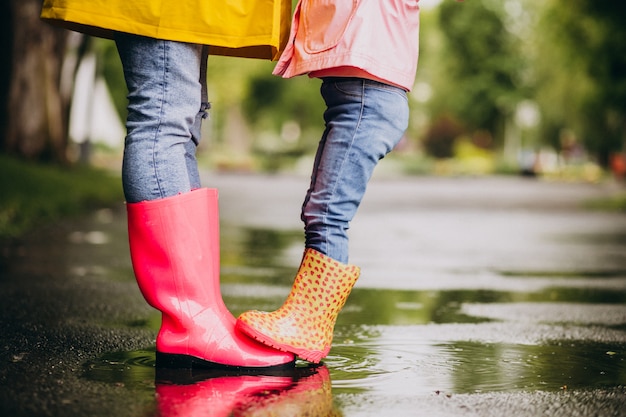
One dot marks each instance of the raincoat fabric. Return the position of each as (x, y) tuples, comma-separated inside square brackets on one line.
[(245, 28), (377, 39)]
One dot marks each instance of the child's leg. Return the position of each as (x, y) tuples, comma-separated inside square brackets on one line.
[(364, 121)]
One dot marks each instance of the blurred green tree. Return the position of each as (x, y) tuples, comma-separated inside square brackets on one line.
[(580, 62), (281, 117), (478, 81), (479, 60)]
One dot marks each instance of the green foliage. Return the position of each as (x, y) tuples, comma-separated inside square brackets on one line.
[(284, 117), (34, 194), (274, 101), (479, 59), (479, 80), (580, 62), (289, 112), (267, 100)]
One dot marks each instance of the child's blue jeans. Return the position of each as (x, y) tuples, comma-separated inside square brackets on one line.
[(365, 120)]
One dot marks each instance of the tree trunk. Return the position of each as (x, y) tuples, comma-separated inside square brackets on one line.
[(39, 89)]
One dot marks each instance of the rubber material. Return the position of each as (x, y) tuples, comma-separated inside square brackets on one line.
[(304, 324), (174, 245)]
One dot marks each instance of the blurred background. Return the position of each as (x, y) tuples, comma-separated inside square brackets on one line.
[(484, 275), (520, 87)]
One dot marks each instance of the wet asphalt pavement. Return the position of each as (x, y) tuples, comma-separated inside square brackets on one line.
[(478, 297)]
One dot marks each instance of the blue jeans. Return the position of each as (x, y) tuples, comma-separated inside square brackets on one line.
[(167, 101), (365, 120)]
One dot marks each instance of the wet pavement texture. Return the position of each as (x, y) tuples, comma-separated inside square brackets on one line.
[(478, 297)]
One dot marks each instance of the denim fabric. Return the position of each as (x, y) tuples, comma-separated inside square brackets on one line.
[(364, 121), (166, 104)]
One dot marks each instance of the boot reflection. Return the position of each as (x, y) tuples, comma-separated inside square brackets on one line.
[(301, 391), (310, 395)]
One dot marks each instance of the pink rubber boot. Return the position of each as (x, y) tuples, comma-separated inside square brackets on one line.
[(174, 247)]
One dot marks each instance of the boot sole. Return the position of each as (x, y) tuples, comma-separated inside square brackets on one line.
[(179, 361), (311, 355)]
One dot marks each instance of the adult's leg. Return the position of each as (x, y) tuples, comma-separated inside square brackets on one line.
[(165, 108), (173, 224)]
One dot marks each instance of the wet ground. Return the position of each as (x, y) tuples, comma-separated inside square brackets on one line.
[(478, 297)]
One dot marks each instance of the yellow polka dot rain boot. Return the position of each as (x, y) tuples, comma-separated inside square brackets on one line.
[(305, 323)]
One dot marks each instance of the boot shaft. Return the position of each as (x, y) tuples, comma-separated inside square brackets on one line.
[(322, 285), (174, 247), (174, 244)]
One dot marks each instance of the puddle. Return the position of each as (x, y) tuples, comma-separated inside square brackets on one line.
[(483, 367), (412, 361), (134, 370), (383, 361), (462, 317), (301, 391), (393, 345), (403, 343)]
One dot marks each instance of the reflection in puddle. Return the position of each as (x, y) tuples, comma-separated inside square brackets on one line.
[(304, 390), (607, 315), (424, 359), (479, 367), (129, 369)]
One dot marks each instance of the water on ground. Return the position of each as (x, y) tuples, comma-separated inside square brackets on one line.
[(478, 298)]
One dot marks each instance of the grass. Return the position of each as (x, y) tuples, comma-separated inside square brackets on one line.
[(615, 203), (34, 194)]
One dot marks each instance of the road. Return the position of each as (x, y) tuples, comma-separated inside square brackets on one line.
[(478, 297)]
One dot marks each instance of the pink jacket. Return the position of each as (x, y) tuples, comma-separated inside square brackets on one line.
[(377, 39)]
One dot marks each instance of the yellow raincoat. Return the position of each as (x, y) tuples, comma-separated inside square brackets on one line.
[(244, 28)]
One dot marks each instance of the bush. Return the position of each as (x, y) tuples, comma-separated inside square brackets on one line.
[(441, 136)]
